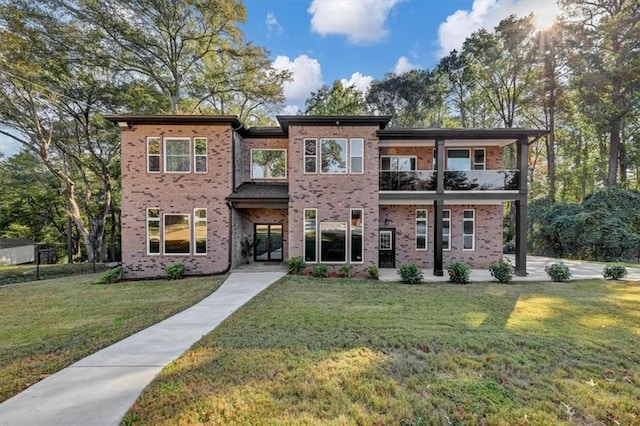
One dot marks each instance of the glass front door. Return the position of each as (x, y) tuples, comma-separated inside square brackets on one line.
[(268, 242), (386, 249)]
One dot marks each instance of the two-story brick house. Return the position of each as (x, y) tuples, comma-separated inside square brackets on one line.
[(333, 189)]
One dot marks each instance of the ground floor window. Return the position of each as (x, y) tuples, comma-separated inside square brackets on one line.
[(177, 234), (356, 228), (153, 230), (200, 230), (446, 229), (333, 242), (421, 229), (468, 230), (174, 233), (310, 235)]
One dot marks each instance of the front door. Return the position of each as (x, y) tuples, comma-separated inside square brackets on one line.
[(267, 242), (387, 248)]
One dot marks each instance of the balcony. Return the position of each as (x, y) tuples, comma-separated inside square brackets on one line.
[(469, 180)]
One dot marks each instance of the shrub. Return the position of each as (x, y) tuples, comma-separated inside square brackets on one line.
[(614, 272), (558, 272), (502, 270), (458, 273), (175, 271), (509, 247), (111, 276), (320, 271), (410, 273), (295, 265), (373, 271), (345, 271)]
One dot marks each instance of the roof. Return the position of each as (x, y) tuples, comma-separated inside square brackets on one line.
[(130, 120), (458, 133), (260, 191), (333, 120), (15, 242)]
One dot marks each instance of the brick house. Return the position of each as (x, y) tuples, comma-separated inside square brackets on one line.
[(332, 189)]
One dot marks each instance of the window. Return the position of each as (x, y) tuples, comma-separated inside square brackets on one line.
[(310, 235), (397, 163), (200, 154), (333, 242), (177, 157), (200, 230), (468, 230), (386, 240), (356, 154), (268, 163), (153, 230), (446, 230), (333, 156), (153, 155), (458, 159), (357, 224), (310, 156), (177, 234), (421, 229), (479, 159)]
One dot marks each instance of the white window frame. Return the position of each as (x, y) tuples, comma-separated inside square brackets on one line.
[(448, 220), (346, 156), (164, 237), (351, 228), (424, 219), (351, 156), (196, 220), (148, 240), (385, 232), (270, 149), (415, 157), (196, 155), (305, 156), (346, 242), (304, 236), (188, 156), (474, 165), (468, 156), (158, 155), (473, 235)]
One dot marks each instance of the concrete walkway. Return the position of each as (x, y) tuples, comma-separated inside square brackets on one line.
[(99, 389), (535, 271)]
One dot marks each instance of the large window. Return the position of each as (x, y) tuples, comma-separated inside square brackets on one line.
[(310, 235), (268, 163), (421, 229), (310, 156), (333, 242), (446, 230), (177, 234), (153, 155), (468, 230), (200, 154), (458, 159), (397, 163), (200, 230), (153, 230), (333, 156), (356, 228), (356, 155), (177, 155)]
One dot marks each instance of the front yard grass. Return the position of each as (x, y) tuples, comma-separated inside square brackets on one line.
[(47, 325), (310, 351)]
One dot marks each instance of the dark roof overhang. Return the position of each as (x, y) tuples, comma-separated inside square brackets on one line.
[(380, 121), (124, 121), (458, 134), (259, 194)]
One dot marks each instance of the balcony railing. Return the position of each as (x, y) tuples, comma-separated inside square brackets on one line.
[(469, 180)]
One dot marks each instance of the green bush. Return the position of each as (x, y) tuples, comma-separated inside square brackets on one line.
[(175, 271), (410, 273), (345, 271), (614, 272), (458, 273), (558, 272), (502, 270), (320, 271), (295, 265), (111, 276), (373, 271)]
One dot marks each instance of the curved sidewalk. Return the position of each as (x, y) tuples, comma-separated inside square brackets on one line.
[(99, 389)]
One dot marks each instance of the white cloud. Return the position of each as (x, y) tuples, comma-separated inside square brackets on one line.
[(403, 65), (306, 77), (290, 110), (359, 81), (487, 14), (362, 21), (273, 25)]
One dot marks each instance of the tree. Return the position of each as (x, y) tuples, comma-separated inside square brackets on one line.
[(335, 100)]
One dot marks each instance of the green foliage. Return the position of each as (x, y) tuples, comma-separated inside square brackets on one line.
[(295, 265), (111, 276), (558, 272), (614, 272), (502, 270), (175, 271), (335, 100), (345, 271), (458, 273), (320, 271), (410, 273), (373, 271)]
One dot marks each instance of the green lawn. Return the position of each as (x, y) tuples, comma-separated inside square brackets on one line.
[(47, 325), (309, 351)]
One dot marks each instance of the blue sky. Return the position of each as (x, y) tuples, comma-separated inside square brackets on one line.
[(357, 41)]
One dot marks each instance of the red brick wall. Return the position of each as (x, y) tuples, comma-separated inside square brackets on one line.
[(174, 193)]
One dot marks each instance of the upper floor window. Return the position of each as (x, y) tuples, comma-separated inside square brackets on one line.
[(459, 159), (356, 154), (200, 154), (398, 163), (310, 156), (333, 156), (153, 155), (177, 155), (268, 163), (479, 159)]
